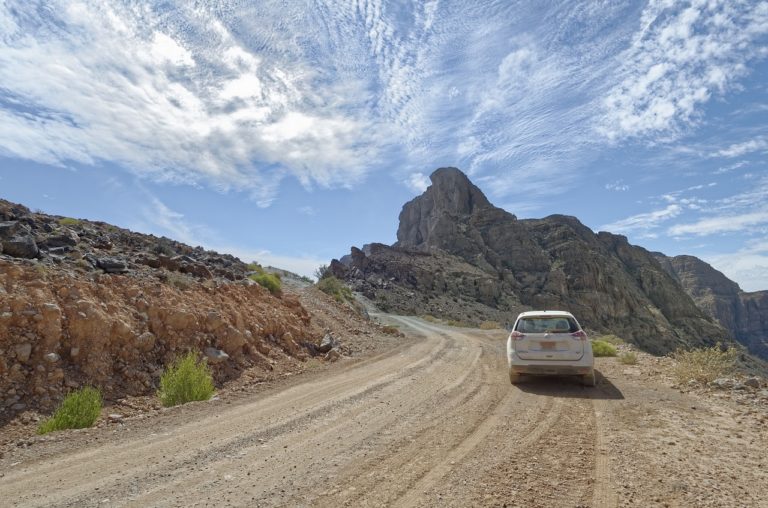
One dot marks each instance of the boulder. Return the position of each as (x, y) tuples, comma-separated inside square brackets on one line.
[(214, 355), (112, 265), (21, 247), (328, 343), (23, 351)]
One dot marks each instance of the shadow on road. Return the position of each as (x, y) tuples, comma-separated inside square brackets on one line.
[(570, 387)]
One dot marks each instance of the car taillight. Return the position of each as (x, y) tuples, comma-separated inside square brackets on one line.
[(580, 335), (517, 335)]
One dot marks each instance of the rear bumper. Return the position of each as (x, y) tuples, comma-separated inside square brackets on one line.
[(551, 367), (550, 370)]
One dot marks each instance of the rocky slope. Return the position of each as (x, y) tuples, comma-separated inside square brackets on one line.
[(743, 314), (87, 303), (459, 257)]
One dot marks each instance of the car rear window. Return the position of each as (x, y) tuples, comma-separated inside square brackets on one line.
[(558, 324)]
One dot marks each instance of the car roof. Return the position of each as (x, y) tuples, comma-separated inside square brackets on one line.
[(552, 313)]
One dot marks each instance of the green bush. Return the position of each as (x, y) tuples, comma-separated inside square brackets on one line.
[(601, 348), (185, 380), (704, 364), (334, 287), (69, 221), (628, 358), (268, 280), (611, 339), (78, 410), (255, 267)]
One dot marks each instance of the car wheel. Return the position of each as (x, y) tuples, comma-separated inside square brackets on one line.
[(514, 377), (589, 379)]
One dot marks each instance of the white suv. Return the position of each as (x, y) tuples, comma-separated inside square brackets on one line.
[(549, 342)]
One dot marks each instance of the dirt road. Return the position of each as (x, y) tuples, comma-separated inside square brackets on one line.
[(434, 423)]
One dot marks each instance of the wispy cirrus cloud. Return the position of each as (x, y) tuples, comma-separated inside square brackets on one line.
[(723, 224), (759, 144), (644, 222), (175, 95), (683, 55)]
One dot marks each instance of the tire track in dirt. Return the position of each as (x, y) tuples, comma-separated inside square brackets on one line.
[(91, 469), (604, 488)]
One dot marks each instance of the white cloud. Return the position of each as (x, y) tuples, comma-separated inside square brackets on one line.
[(644, 221), (617, 186), (158, 218), (748, 266), (174, 97), (417, 182), (682, 56), (740, 149), (307, 210), (302, 265), (722, 224)]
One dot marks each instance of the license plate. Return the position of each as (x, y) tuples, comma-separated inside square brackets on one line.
[(548, 345)]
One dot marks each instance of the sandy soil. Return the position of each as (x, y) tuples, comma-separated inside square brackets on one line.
[(432, 423)]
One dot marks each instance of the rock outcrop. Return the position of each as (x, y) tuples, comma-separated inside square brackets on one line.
[(743, 314), (457, 256)]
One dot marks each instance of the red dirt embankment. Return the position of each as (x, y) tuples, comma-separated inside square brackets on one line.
[(61, 329)]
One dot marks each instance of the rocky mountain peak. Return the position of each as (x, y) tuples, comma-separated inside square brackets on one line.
[(427, 218)]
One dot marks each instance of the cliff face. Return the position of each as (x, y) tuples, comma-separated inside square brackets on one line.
[(458, 256), (744, 315)]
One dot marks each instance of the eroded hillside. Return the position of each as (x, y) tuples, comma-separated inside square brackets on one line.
[(87, 303)]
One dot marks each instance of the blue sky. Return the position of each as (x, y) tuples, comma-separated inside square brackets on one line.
[(286, 132)]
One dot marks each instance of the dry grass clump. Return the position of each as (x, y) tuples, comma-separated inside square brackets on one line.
[(430, 318), (458, 324), (628, 358), (704, 365), (490, 325), (390, 330)]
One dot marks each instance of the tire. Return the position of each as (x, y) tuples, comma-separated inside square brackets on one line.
[(589, 379), (514, 377)]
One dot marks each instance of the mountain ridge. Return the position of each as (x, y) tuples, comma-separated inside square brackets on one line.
[(457, 256)]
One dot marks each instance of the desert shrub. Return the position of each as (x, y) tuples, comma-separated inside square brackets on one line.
[(78, 410), (601, 348), (334, 287), (186, 379), (458, 324), (490, 325), (69, 221), (704, 364), (164, 247), (430, 318), (255, 267), (628, 358), (322, 272), (179, 280), (268, 280), (611, 339), (390, 330)]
